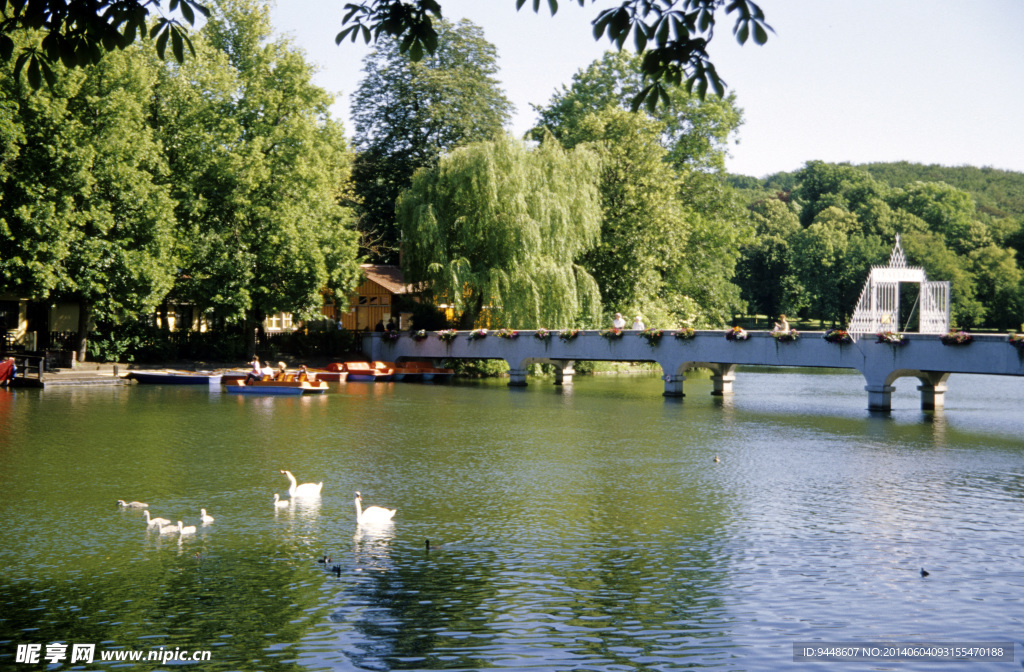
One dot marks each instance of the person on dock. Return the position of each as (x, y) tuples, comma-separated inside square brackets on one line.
[(618, 322)]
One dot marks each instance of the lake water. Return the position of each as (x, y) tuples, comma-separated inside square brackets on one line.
[(584, 528)]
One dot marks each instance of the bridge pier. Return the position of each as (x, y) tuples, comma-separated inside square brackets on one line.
[(722, 378), (517, 377), (879, 397), (564, 372), (674, 385), (933, 390)]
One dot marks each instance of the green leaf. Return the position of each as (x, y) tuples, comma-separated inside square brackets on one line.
[(161, 43), (639, 98), (19, 65), (351, 30), (760, 35), (743, 33), (176, 45), (34, 77), (640, 39), (157, 27), (661, 37), (67, 54), (652, 98), (48, 74)]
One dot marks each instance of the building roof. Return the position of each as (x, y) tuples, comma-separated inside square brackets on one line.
[(388, 277)]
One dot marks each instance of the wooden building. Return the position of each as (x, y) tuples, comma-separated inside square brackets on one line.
[(375, 300)]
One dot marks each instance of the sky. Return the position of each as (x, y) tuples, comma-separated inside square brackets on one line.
[(925, 81)]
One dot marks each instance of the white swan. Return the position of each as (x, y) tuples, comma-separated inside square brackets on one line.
[(168, 529), (152, 522), (131, 505), (280, 503), (190, 529), (206, 520), (304, 490), (374, 515)]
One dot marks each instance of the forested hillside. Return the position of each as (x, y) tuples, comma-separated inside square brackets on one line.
[(819, 230)]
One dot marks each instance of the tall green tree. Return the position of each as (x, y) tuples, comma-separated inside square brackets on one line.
[(694, 132), (671, 229), (85, 214), (644, 226), (998, 278), (948, 211), (258, 167), (499, 225), (930, 251), (766, 272), (407, 113), (820, 251)]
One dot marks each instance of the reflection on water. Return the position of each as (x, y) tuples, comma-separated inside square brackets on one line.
[(576, 527)]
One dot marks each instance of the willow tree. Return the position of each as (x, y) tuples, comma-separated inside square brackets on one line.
[(498, 226)]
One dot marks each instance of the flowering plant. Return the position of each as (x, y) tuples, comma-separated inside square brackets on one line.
[(542, 335), (838, 336), (891, 337), (391, 335), (477, 334), (447, 335), (420, 335), (685, 333), (736, 334), (568, 334), (652, 335), (611, 334), (785, 336), (1017, 341), (507, 333), (956, 338)]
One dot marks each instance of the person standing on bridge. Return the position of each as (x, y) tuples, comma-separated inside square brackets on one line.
[(638, 324), (782, 326), (618, 322)]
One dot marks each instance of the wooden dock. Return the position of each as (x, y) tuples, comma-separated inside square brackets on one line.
[(32, 373)]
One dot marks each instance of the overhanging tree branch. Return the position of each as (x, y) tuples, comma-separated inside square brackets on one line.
[(78, 32), (672, 35)]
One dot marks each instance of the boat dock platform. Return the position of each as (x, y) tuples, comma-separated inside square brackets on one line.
[(32, 373)]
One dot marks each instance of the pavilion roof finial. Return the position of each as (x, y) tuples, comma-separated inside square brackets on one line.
[(896, 259)]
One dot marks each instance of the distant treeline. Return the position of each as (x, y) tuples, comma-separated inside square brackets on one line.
[(818, 231)]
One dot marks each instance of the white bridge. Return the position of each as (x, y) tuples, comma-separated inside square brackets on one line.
[(923, 357)]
